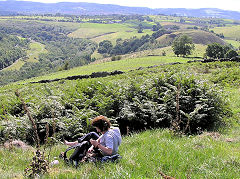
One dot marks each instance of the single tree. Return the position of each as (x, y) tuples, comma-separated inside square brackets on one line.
[(214, 50), (183, 45)]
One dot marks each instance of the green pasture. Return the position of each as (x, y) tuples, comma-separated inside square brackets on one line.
[(100, 32), (197, 52), (36, 48), (231, 32), (123, 65), (15, 66)]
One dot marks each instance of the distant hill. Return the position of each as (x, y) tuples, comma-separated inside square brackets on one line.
[(198, 37), (12, 7)]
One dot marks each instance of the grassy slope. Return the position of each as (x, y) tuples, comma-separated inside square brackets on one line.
[(123, 65), (35, 49), (235, 44), (197, 52)]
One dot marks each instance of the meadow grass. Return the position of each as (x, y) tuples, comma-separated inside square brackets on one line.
[(36, 48), (197, 52), (15, 66)]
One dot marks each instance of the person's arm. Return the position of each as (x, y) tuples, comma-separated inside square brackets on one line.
[(106, 150), (70, 143)]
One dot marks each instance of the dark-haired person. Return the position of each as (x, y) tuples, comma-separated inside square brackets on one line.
[(107, 143)]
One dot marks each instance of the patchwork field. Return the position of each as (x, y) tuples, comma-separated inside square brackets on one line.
[(100, 32)]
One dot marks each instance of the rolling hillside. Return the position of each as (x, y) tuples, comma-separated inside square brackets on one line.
[(64, 42), (155, 89)]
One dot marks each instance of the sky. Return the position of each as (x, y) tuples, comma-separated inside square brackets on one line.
[(221, 4)]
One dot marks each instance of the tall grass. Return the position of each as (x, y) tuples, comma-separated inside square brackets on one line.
[(144, 156)]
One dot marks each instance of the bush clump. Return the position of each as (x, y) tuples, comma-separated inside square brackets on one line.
[(134, 102)]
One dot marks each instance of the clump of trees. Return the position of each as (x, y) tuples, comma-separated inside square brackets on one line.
[(216, 50), (105, 47), (183, 45), (156, 27)]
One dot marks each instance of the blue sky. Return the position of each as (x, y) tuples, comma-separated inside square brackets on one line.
[(221, 4)]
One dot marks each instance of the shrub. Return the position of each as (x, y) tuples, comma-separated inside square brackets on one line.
[(136, 102), (200, 106)]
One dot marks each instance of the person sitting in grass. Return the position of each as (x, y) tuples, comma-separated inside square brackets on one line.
[(99, 146)]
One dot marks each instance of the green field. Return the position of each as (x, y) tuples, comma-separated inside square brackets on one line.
[(197, 52), (35, 49), (100, 32)]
